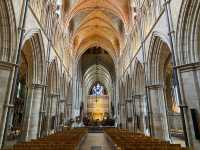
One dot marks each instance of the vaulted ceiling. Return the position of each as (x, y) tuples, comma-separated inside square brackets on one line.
[(97, 23)]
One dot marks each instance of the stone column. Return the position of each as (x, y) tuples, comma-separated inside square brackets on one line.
[(53, 99), (61, 110), (143, 113), (189, 76), (66, 117), (48, 114), (70, 110), (116, 105), (158, 112), (136, 109), (34, 114), (67, 112), (140, 113), (129, 114), (6, 78), (54, 109), (122, 115)]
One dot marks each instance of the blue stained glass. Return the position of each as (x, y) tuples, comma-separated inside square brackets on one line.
[(98, 90)]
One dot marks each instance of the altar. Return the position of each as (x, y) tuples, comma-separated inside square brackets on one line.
[(98, 107)]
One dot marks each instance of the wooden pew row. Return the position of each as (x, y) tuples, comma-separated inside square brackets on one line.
[(67, 140), (121, 139)]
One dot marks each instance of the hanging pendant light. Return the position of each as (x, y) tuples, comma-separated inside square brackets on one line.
[(96, 72)]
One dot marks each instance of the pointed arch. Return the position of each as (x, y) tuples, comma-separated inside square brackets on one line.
[(53, 78), (188, 29), (138, 78), (159, 50), (37, 55), (8, 32)]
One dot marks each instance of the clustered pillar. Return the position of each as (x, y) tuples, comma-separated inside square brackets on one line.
[(158, 113)]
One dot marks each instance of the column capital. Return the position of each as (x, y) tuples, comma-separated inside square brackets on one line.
[(62, 100), (183, 106), (69, 104), (130, 119), (9, 105), (128, 100), (54, 94), (43, 111), (8, 64), (154, 86), (186, 67), (121, 104), (137, 96), (37, 85)]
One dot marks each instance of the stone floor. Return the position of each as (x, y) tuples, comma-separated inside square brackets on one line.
[(95, 141)]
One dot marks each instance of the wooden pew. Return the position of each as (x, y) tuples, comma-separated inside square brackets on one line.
[(69, 139), (124, 140)]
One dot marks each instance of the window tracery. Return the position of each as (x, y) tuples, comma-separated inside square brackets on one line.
[(97, 90)]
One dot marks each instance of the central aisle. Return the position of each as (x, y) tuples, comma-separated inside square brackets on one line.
[(95, 141)]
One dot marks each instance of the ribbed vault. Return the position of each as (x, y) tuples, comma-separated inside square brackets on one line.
[(100, 23), (97, 73)]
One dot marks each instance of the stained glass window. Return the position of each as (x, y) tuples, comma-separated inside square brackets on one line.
[(97, 90)]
